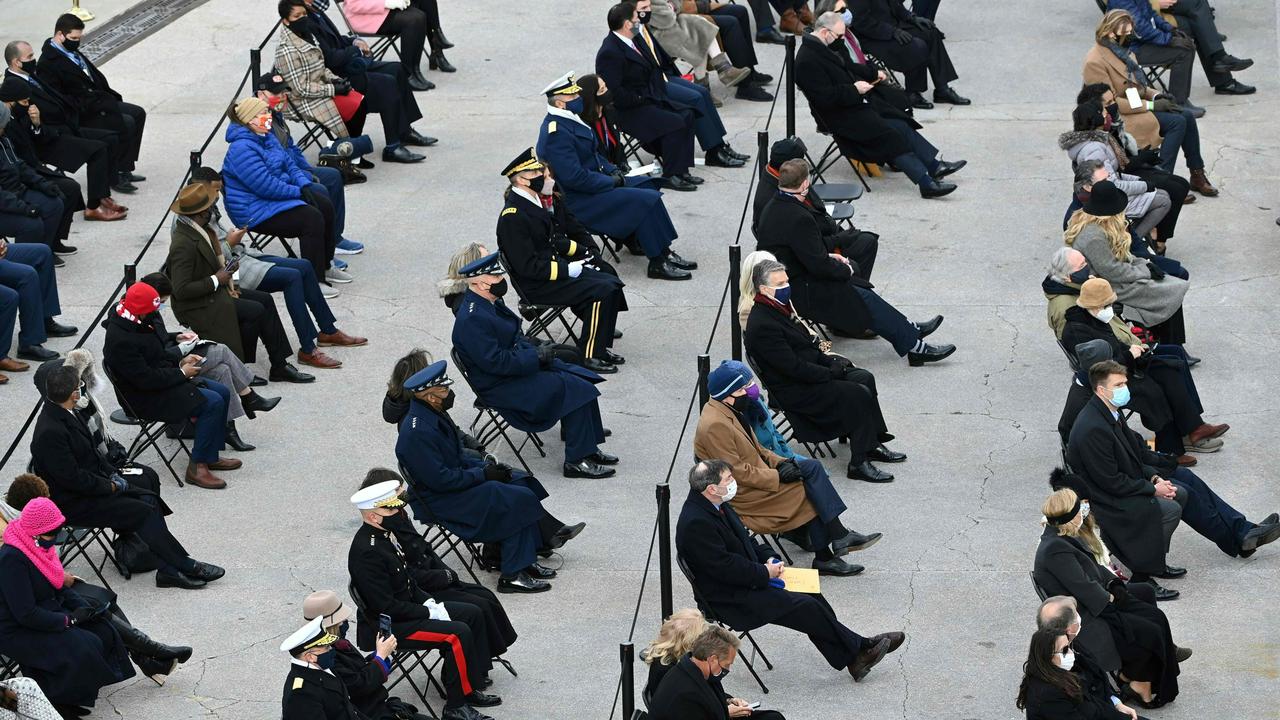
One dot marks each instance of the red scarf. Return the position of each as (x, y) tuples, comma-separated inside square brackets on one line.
[(605, 134), (762, 299)]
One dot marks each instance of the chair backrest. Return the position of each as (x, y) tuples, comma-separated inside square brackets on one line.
[(1071, 357), (698, 600), (1039, 590)]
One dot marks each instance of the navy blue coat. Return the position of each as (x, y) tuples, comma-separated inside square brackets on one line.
[(586, 179), (449, 486), (640, 101), (502, 367), (69, 663)]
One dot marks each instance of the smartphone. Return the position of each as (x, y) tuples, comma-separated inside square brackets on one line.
[(384, 626), (755, 705), (1135, 100), (131, 471)]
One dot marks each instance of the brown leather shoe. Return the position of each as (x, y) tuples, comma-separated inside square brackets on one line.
[(198, 474), (4, 379), (103, 213), (109, 203), (318, 359), (11, 365), (1208, 431), (1190, 198), (790, 23), (225, 464), (873, 653), (1187, 460), (340, 339), (1200, 183)]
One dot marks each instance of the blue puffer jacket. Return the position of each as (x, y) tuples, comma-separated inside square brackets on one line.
[(1148, 26), (260, 178)]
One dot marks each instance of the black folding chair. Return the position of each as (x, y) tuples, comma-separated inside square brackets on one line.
[(711, 616), (829, 158), (1039, 590), (489, 425), (77, 542), (406, 662), (150, 432), (260, 241), (891, 78), (380, 43), (540, 316), (9, 668), (441, 540), (773, 540), (817, 449)]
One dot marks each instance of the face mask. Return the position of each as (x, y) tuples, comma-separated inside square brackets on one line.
[(536, 183), (46, 544), (70, 45), (1105, 314), (1084, 513), (302, 27), (1068, 661), (846, 16), (326, 660), (643, 18), (1123, 40), (1120, 396), (447, 402), (275, 102), (499, 288), (82, 402), (753, 391), (547, 186), (266, 123), (723, 671), (1078, 277), (1106, 123), (574, 106), (1113, 110), (29, 66), (342, 629), (782, 294), (605, 99), (730, 492)]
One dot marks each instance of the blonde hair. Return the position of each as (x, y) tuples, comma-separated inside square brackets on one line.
[(746, 286), (453, 282), (675, 637), (1060, 503), (1110, 21), (1115, 227)]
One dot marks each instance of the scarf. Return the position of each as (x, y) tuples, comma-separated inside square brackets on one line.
[(40, 516), (604, 133), (1136, 76), (762, 299), (1068, 140)]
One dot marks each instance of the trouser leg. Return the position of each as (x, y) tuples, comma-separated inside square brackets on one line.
[(308, 225), (457, 648), (331, 179), (819, 490), (50, 216), (320, 201), (1195, 17), (1170, 516), (1208, 514), (861, 248), (211, 423), (760, 10), (498, 630), (889, 323), (1180, 72), (1155, 213), (155, 533), (411, 25), (941, 70), (735, 32), (706, 124), (8, 319), (135, 122), (598, 320), (582, 432), (812, 616), (270, 329), (23, 280), (39, 257), (288, 282), (520, 549)]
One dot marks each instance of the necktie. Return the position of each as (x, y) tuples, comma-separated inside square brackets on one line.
[(644, 33)]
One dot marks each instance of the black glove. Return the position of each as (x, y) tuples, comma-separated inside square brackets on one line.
[(922, 22), (566, 353), (82, 615), (619, 180), (310, 196), (1156, 272), (32, 211), (1165, 104), (497, 471), (1118, 590), (902, 36), (1147, 157), (789, 472), (1150, 186), (341, 86), (544, 355)]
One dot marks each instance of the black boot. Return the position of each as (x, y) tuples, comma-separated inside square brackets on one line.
[(139, 643), (233, 439), (438, 40), (156, 669), (254, 403), (437, 61)]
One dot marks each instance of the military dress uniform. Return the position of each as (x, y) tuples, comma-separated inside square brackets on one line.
[(311, 692)]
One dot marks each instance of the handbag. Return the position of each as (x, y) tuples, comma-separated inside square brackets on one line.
[(133, 553)]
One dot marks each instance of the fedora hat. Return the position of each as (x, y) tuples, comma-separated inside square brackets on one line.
[(193, 198), (1105, 200)]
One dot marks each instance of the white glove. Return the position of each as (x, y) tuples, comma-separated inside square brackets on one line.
[(436, 609), (575, 268), (396, 4)]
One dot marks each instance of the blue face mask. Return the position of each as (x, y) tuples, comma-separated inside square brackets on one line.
[(46, 544), (1120, 396), (846, 16), (575, 106), (782, 294), (326, 660), (342, 629)]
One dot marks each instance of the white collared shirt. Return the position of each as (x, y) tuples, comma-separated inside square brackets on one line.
[(305, 664), (527, 194), (630, 43), (566, 114)]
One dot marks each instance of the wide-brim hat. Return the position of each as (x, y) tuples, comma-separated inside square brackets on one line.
[(1105, 200), (194, 198), (1096, 293), (326, 605)]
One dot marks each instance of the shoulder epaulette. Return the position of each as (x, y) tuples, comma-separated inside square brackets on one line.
[(551, 126), (507, 211), (297, 683)]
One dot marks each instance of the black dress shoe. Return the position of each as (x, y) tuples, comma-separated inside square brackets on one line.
[(853, 542), (134, 177), (463, 712), (758, 78), (600, 367), (617, 334), (479, 699), (1260, 535), (53, 328), (586, 468), (662, 270), (949, 96), (522, 583), (286, 372), (614, 358), (71, 711), (929, 326), (1271, 519), (401, 154), (936, 189), (930, 354), (692, 179), (1235, 87), (677, 183), (1192, 361), (1163, 593), (365, 164), (720, 158), (1231, 63), (257, 381), (734, 153), (867, 659), (753, 93), (1171, 573), (64, 249), (880, 453), (124, 186), (837, 567), (946, 168), (771, 36), (895, 639), (867, 472), (177, 580), (206, 572), (413, 137), (540, 572), (39, 353), (418, 83), (1181, 654), (680, 262), (565, 534), (608, 432), (232, 437), (601, 457), (917, 101)]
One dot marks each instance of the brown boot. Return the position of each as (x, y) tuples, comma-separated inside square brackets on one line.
[(1190, 198), (1200, 183), (790, 23), (225, 464), (805, 15), (198, 474)]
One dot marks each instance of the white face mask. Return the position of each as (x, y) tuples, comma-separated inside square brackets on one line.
[(1067, 660), (82, 402), (547, 185), (1105, 314), (730, 491), (1084, 511)]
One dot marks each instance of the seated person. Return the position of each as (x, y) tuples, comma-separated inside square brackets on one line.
[(31, 206), (777, 495), (97, 493), (860, 247), (690, 37), (1059, 681), (155, 659), (363, 678), (208, 299), (1125, 479), (829, 289), (597, 192), (158, 388), (58, 638), (675, 639), (1141, 162), (1089, 173), (908, 43), (655, 105), (734, 577), (413, 23), (1141, 647), (1156, 120), (385, 585), (312, 689), (1162, 389), (682, 693), (599, 112), (397, 401), (824, 395), (555, 261), (28, 284), (452, 286), (300, 59), (526, 383), (1155, 41), (1151, 297), (476, 499), (735, 37), (837, 88)]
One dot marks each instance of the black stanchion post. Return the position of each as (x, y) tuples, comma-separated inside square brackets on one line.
[(704, 369), (255, 69), (130, 274), (791, 85), (762, 150), (735, 278), (196, 160), (627, 652), (664, 548)]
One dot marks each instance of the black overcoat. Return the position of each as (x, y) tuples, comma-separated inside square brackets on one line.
[(826, 78), (88, 91), (1064, 567), (641, 105), (684, 694), (313, 694), (145, 375)]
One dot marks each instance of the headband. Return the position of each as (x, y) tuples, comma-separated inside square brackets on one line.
[(1064, 518)]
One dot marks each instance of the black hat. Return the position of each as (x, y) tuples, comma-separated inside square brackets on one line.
[(487, 265), (526, 160), (273, 82), (1105, 200), (14, 89), (786, 149)]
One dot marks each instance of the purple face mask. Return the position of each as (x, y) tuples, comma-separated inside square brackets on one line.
[(753, 391)]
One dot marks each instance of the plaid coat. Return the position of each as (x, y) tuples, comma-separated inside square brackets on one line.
[(301, 64)]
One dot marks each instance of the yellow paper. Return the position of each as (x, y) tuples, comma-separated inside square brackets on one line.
[(801, 580)]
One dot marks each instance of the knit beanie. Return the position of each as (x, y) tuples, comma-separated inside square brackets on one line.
[(728, 378), (250, 108)]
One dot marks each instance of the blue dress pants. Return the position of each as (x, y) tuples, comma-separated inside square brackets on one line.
[(1210, 515), (27, 268), (211, 422), (889, 323), (295, 278), (923, 158), (42, 229), (706, 122), (1179, 131)]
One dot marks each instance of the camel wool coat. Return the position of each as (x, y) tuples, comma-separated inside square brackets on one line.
[(1102, 66)]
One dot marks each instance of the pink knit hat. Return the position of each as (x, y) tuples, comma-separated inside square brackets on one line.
[(41, 517)]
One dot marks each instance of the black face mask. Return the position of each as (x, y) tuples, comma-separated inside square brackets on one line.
[(642, 18), (70, 45), (499, 288), (447, 402), (29, 66), (1078, 277), (605, 99), (342, 630), (537, 183), (303, 28), (1114, 111)]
